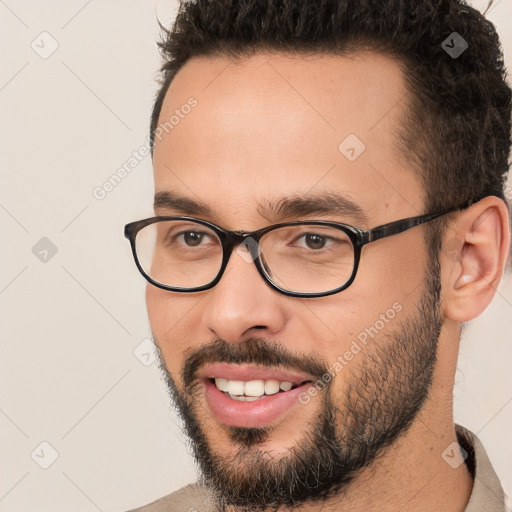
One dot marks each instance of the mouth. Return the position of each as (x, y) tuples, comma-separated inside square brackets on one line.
[(253, 389), (251, 397)]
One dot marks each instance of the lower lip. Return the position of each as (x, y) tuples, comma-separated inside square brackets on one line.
[(257, 413)]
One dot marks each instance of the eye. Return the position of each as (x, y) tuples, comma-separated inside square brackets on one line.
[(191, 238), (314, 241)]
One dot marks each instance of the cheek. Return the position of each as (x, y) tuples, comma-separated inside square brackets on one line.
[(173, 324), (388, 285), (157, 311)]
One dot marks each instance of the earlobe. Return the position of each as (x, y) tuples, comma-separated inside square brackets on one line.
[(473, 271)]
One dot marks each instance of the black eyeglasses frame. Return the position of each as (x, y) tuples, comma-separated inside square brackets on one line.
[(230, 239)]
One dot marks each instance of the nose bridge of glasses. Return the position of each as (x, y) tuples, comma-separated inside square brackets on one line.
[(244, 240)]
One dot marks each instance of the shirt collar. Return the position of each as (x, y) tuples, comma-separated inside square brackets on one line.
[(487, 493)]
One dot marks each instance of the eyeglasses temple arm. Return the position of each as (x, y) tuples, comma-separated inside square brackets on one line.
[(399, 226)]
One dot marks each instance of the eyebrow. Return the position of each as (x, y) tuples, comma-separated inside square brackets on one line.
[(274, 211)]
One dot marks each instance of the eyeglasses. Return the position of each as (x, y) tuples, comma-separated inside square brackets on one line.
[(299, 259)]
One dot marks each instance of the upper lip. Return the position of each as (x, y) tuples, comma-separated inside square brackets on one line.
[(245, 372)]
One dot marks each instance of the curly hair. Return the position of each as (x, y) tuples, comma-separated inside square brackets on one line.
[(456, 131)]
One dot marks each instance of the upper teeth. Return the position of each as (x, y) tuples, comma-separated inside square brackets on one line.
[(253, 387)]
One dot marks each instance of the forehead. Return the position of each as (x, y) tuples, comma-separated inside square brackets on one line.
[(274, 125)]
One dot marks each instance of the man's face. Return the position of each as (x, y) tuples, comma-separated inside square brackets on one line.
[(267, 130)]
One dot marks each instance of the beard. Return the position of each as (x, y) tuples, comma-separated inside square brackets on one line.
[(388, 387)]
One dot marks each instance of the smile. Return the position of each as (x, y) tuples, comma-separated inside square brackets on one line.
[(253, 389), (249, 396)]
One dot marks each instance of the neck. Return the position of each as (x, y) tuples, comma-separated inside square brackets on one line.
[(411, 476)]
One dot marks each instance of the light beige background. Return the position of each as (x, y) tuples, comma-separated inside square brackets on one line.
[(71, 325)]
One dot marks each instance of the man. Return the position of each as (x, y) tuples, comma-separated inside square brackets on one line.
[(329, 212)]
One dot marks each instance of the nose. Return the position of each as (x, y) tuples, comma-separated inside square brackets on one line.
[(242, 303)]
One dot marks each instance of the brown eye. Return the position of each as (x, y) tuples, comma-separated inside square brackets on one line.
[(314, 241), (192, 238)]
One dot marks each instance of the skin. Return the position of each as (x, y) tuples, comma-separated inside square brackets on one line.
[(269, 127)]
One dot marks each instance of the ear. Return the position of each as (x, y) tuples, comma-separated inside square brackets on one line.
[(473, 258)]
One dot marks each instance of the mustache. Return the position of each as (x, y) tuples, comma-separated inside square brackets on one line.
[(255, 351)]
